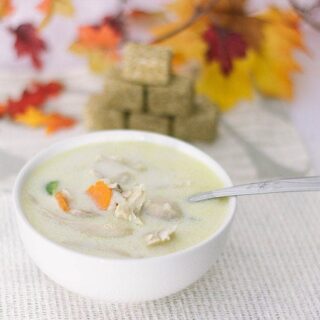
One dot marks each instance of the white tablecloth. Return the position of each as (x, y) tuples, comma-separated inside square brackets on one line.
[(269, 269)]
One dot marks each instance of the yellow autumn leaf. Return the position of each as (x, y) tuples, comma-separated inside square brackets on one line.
[(183, 53), (275, 62), (5, 8), (227, 90), (78, 48), (32, 117), (51, 7), (188, 45), (183, 9), (99, 60)]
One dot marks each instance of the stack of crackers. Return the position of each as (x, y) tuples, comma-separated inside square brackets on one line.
[(143, 94)]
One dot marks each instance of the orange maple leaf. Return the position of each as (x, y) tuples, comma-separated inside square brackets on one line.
[(35, 118), (6, 8), (51, 7), (99, 37), (45, 6), (99, 43), (56, 121), (3, 110)]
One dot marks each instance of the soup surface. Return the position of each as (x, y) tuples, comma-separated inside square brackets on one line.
[(123, 200)]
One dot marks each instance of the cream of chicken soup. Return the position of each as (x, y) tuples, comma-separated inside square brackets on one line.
[(123, 200)]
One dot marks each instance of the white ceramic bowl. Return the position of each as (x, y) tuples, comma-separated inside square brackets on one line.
[(121, 280)]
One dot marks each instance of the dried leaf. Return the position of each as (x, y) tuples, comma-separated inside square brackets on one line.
[(6, 8), (229, 6), (34, 95), (3, 110), (52, 7), (32, 117), (28, 108), (182, 10), (227, 90), (231, 15), (28, 43), (99, 43), (236, 51), (103, 37), (275, 62), (224, 46), (99, 60), (55, 122)]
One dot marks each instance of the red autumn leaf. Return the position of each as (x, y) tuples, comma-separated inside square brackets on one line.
[(35, 95), (224, 46), (51, 89), (28, 43), (115, 23), (3, 110)]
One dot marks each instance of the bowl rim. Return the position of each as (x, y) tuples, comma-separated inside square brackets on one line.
[(121, 135)]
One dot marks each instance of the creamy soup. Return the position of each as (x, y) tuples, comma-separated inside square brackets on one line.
[(123, 200)]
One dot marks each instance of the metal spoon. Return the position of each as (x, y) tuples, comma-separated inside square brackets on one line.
[(271, 186)]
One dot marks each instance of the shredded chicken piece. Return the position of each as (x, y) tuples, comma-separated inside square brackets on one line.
[(83, 213), (123, 211), (136, 197), (162, 210), (128, 204), (115, 187), (161, 236)]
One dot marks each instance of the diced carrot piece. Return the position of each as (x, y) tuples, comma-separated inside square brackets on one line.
[(101, 194), (62, 201)]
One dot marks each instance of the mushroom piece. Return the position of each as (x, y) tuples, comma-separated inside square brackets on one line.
[(161, 236), (163, 210)]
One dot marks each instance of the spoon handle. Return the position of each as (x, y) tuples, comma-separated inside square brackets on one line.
[(271, 186)]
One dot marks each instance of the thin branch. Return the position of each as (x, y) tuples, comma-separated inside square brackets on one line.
[(304, 13), (201, 11), (198, 12)]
